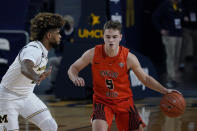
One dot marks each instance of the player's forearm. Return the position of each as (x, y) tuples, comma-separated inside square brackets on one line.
[(151, 83), (30, 73), (27, 70)]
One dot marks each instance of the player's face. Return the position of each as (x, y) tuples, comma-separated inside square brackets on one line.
[(55, 38), (112, 38)]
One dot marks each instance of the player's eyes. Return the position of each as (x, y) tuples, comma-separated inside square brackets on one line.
[(108, 37), (114, 37)]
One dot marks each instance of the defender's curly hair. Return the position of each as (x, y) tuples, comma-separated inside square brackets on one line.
[(43, 22)]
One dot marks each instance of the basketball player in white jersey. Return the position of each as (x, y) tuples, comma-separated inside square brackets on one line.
[(27, 70)]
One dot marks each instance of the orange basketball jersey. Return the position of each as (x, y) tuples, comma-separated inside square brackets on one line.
[(110, 74)]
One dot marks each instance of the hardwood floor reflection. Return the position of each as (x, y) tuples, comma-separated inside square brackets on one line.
[(75, 116)]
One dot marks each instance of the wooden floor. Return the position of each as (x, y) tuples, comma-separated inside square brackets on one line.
[(75, 116)]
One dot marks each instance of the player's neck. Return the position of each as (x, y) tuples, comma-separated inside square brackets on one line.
[(111, 52), (45, 44)]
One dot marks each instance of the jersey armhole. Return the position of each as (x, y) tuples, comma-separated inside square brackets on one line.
[(96, 48)]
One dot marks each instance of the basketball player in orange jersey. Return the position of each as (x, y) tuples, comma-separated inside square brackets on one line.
[(112, 93)]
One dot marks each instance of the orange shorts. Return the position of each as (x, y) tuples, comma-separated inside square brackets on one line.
[(126, 115)]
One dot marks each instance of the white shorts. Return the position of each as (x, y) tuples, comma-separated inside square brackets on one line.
[(12, 105)]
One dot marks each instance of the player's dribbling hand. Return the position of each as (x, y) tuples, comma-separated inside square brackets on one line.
[(173, 90), (44, 75), (79, 81)]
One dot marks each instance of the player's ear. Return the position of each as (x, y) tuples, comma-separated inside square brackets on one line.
[(120, 37), (48, 34)]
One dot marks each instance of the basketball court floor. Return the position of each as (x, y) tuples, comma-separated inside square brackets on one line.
[(74, 115)]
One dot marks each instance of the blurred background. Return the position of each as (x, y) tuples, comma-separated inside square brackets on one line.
[(145, 25)]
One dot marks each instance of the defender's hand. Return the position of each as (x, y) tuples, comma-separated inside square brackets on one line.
[(44, 75)]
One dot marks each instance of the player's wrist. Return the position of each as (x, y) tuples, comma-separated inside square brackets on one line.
[(165, 91), (37, 78)]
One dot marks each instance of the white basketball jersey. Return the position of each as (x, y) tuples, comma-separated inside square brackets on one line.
[(14, 80)]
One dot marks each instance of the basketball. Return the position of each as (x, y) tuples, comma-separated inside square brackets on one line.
[(173, 104)]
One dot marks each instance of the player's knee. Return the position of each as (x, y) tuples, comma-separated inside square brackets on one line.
[(48, 125)]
